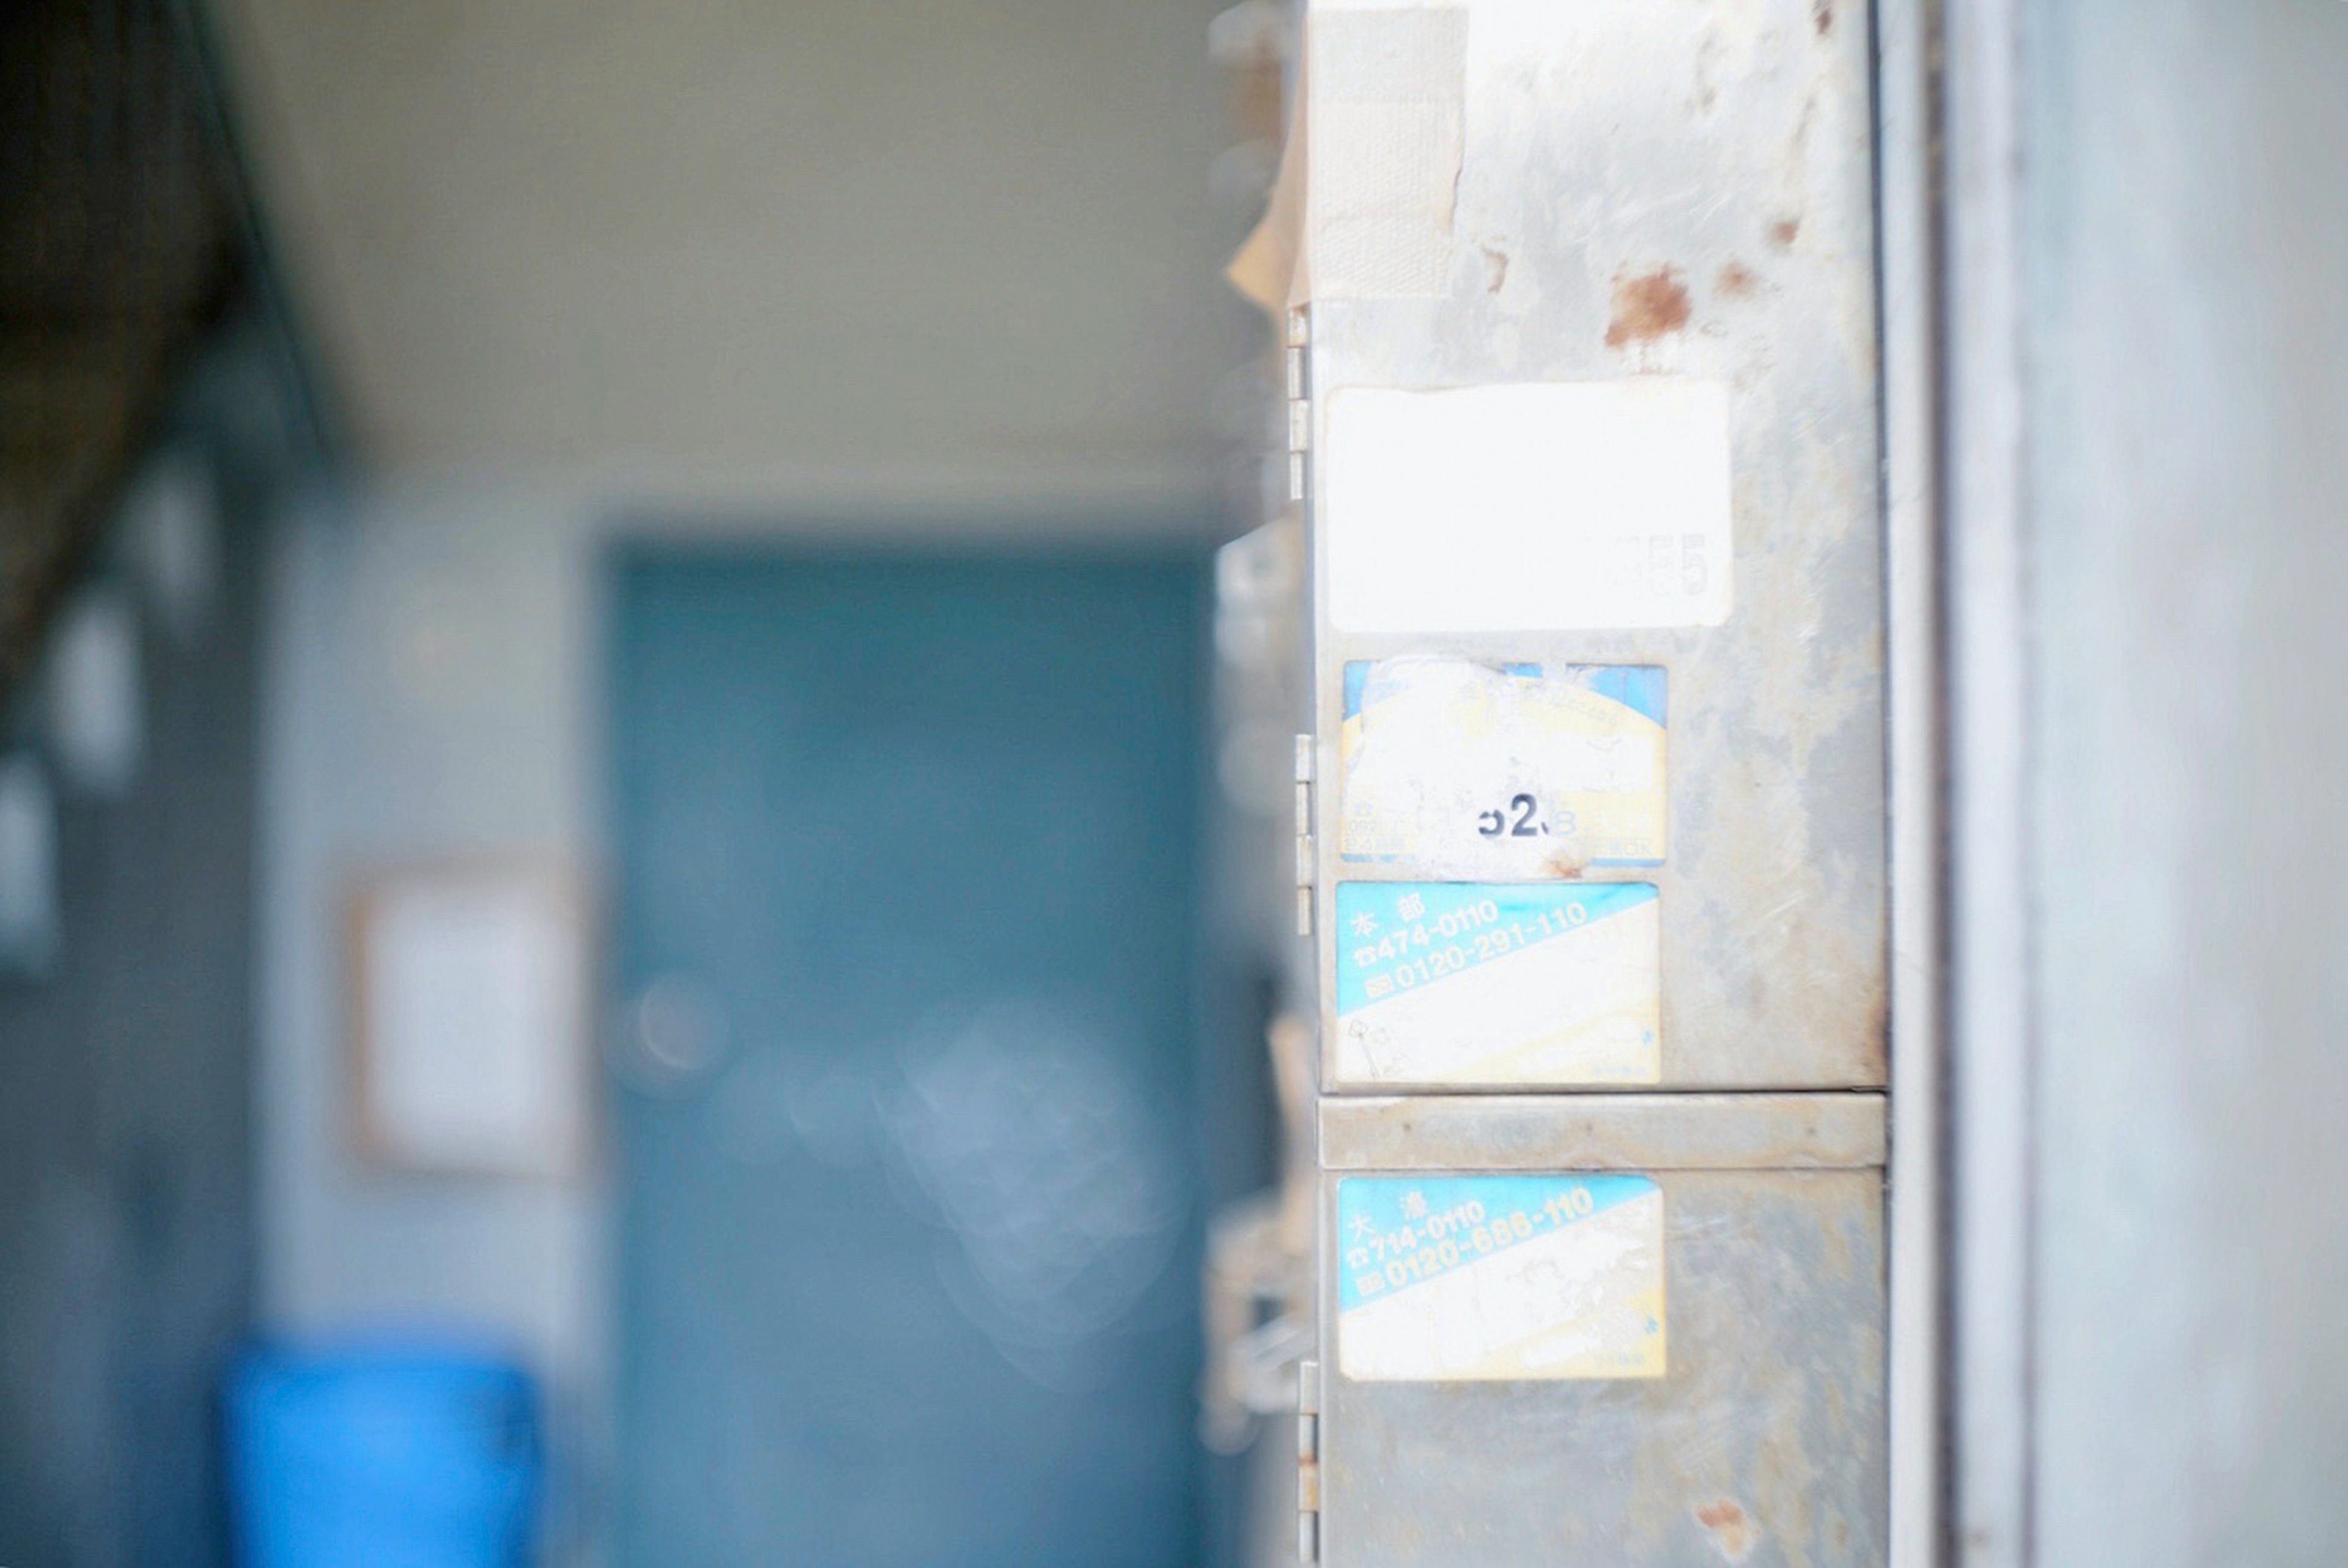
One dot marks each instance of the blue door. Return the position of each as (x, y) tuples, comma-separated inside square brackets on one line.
[(903, 1117)]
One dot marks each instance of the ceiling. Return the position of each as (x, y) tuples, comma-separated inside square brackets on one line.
[(752, 244)]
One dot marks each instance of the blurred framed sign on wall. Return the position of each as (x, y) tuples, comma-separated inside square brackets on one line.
[(470, 995)]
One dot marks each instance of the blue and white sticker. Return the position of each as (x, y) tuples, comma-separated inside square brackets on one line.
[(1458, 983), (1503, 769), (1496, 1278)]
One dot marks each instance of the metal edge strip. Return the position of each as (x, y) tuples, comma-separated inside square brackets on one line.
[(1829, 1131), (1908, 293)]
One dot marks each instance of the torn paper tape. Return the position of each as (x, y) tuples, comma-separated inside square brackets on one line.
[(1386, 128)]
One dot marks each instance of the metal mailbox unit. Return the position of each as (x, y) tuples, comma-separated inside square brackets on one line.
[(1592, 843), (1755, 1434)]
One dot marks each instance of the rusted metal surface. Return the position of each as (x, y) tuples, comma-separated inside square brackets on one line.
[(1763, 1446), (1685, 190), (1604, 1133)]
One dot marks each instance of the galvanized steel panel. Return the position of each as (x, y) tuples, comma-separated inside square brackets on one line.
[(1674, 188), (1762, 1445)]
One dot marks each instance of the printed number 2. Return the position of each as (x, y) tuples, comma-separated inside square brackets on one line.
[(1492, 824), (1526, 823)]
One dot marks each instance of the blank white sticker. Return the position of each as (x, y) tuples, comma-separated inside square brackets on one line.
[(1548, 507)]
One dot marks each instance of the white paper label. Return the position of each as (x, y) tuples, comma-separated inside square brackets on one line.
[(1546, 506)]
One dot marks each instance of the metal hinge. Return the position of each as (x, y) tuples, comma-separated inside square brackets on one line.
[(1306, 874), (1308, 1461), (1300, 403)]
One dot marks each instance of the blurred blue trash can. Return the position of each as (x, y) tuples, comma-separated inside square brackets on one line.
[(384, 1454)]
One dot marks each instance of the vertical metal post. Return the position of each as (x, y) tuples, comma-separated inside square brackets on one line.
[(1907, 237), (1991, 1015)]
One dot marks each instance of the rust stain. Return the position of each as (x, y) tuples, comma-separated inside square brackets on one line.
[(1785, 1481), (1733, 1533), (1562, 865), (1648, 306), (1740, 282), (1785, 231), (1822, 17)]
